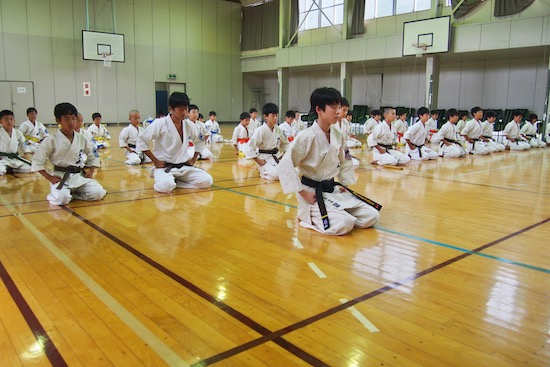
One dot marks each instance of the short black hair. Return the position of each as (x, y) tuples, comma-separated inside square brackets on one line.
[(434, 112), (376, 113), (490, 114), (475, 110), (270, 108), (321, 97), (290, 113), (422, 111), (212, 113), (201, 116), (64, 109), (451, 112), (344, 102), (533, 116), (517, 113), (244, 115), (178, 99), (95, 115), (5, 113), (252, 110), (462, 114), (193, 107), (31, 109)]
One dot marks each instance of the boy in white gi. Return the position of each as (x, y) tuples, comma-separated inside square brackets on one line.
[(174, 151), (33, 130), (66, 150), (415, 136), (128, 140), (374, 120), (204, 152), (287, 127), (298, 123), (472, 133), (382, 140), (99, 132), (267, 143), (462, 118), (529, 132), (241, 134), (345, 125), (447, 136), (254, 121), (514, 140), (487, 127), (214, 128), (431, 125), (319, 154), (11, 141), (400, 126), (79, 128)]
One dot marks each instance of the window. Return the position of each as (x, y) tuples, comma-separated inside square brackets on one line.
[(320, 13), (385, 8)]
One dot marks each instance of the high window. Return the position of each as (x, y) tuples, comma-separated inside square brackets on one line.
[(385, 8), (320, 13)]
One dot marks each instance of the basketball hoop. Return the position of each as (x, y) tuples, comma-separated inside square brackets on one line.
[(107, 58), (420, 48)]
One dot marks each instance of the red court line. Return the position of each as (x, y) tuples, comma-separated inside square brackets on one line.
[(36, 327)]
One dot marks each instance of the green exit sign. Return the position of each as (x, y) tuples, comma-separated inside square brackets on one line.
[(172, 76)]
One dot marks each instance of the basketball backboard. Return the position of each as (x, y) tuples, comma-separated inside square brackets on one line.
[(96, 44), (432, 35)]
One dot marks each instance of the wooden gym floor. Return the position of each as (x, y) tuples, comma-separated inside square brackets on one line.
[(457, 273)]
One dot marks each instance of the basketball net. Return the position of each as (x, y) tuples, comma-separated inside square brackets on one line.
[(107, 58), (420, 48)]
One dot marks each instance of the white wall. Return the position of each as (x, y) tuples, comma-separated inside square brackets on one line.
[(198, 40)]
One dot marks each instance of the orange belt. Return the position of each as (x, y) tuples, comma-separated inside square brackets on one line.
[(433, 131), (243, 140), (290, 138), (400, 134)]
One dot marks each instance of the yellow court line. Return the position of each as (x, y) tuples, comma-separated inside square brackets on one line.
[(154, 342)]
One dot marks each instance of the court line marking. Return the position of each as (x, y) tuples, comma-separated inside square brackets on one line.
[(300, 353), (156, 344), (289, 223), (361, 318), (306, 322), (457, 248), (287, 209), (42, 337), (316, 270), (297, 243), (480, 171)]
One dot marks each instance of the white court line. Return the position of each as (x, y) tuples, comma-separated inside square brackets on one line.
[(362, 319), (153, 341), (289, 223), (297, 243), (289, 196), (484, 170), (287, 209), (316, 270)]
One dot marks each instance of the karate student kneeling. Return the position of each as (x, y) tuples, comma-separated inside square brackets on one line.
[(382, 140), (68, 151), (319, 154), (174, 151)]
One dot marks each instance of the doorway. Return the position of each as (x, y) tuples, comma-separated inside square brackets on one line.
[(18, 96), (162, 91)]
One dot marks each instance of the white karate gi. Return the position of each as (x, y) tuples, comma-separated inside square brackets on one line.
[(472, 129), (215, 131), (34, 134), (431, 126), (204, 133), (289, 131), (240, 138), (346, 130), (60, 151), (128, 138), (417, 136), (253, 125), (487, 132), (530, 131), (266, 139), (171, 148), (320, 160), (369, 125), (384, 135), (100, 136), (12, 144), (341, 128), (299, 125), (512, 131), (449, 133), (400, 128)]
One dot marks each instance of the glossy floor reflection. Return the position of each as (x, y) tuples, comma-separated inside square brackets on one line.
[(456, 273)]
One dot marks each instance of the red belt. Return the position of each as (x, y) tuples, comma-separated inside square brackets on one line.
[(243, 140)]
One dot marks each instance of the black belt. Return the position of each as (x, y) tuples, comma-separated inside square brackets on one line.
[(419, 149), (530, 136), (132, 146), (387, 147), (14, 156), (328, 186), (272, 152), (140, 155), (474, 143), (169, 166), (450, 141), (67, 171)]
